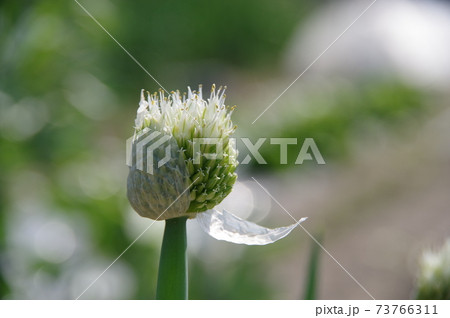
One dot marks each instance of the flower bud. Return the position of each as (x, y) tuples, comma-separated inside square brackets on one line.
[(193, 175)]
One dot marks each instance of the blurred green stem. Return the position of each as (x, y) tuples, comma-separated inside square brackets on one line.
[(172, 274), (312, 272)]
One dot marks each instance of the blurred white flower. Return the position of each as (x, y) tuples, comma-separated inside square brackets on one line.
[(434, 274)]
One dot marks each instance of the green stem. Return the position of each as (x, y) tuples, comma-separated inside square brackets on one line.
[(172, 274)]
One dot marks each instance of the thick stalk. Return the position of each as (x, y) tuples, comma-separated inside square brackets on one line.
[(172, 274)]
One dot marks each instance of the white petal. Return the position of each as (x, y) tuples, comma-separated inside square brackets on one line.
[(225, 226)]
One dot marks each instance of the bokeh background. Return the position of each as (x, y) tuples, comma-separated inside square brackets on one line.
[(376, 103)]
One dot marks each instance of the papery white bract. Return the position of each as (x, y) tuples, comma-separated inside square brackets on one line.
[(225, 226)]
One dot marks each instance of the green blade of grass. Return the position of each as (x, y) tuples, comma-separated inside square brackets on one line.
[(310, 290)]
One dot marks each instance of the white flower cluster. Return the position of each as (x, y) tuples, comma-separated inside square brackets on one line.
[(186, 116)]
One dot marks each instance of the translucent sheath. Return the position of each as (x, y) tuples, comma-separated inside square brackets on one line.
[(228, 227)]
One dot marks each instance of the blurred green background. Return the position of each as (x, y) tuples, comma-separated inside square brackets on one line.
[(68, 97)]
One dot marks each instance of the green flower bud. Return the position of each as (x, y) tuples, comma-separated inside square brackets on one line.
[(195, 174)]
